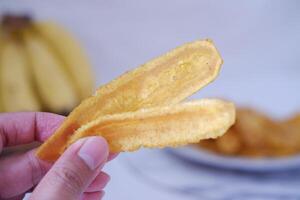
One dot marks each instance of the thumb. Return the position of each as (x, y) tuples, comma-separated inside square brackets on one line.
[(74, 170)]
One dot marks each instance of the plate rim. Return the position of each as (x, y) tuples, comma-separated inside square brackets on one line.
[(204, 157)]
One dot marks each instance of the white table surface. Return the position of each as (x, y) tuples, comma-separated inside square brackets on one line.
[(258, 40)]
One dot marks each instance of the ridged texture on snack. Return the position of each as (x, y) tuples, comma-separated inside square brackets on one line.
[(71, 53), (165, 80), (54, 86), (173, 125), (17, 93)]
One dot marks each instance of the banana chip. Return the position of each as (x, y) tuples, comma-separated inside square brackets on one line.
[(162, 126), (255, 134), (163, 81), (294, 121)]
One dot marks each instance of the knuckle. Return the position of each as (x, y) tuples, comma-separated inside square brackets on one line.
[(69, 178)]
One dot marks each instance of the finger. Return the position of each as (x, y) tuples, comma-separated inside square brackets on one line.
[(26, 127), (93, 196), (112, 156), (74, 170), (19, 197), (98, 183), (29, 170), (20, 172)]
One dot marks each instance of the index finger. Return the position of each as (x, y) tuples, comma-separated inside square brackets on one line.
[(26, 127)]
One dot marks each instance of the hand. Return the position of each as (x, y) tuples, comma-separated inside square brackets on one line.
[(75, 175)]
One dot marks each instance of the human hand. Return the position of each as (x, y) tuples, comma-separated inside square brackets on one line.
[(75, 175)]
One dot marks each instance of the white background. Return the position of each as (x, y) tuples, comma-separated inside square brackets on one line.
[(258, 40)]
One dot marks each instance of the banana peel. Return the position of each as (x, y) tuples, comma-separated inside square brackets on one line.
[(53, 85), (17, 93), (57, 65), (1, 95), (71, 53)]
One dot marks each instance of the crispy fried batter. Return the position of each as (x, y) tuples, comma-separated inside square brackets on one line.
[(165, 80)]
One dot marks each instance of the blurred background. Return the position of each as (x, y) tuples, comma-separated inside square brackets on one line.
[(259, 42)]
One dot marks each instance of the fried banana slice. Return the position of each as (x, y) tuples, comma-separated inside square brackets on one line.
[(229, 143), (294, 121), (173, 125), (165, 80)]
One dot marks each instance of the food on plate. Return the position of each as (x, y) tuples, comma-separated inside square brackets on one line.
[(229, 143), (153, 89), (294, 121), (48, 67), (256, 135)]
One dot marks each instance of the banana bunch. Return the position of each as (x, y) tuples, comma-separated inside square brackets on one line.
[(42, 67)]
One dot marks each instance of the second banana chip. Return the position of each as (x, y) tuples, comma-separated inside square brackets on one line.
[(164, 81)]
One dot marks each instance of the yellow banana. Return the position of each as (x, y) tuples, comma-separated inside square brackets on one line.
[(16, 88), (71, 53), (1, 44), (53, 84)]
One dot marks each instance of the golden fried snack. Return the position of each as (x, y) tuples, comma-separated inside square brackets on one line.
[(252, 126), (294, 121), (165, 80), (276, 139), (292, 127), (162, 126), (208, 144), (256, 135), (229, 143)]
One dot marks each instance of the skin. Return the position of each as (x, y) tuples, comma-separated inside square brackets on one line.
[(75, 175)]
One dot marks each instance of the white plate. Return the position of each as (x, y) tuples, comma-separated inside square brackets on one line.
[(204, 157)]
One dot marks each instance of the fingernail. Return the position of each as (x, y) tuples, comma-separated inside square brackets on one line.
[(94, 152)]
